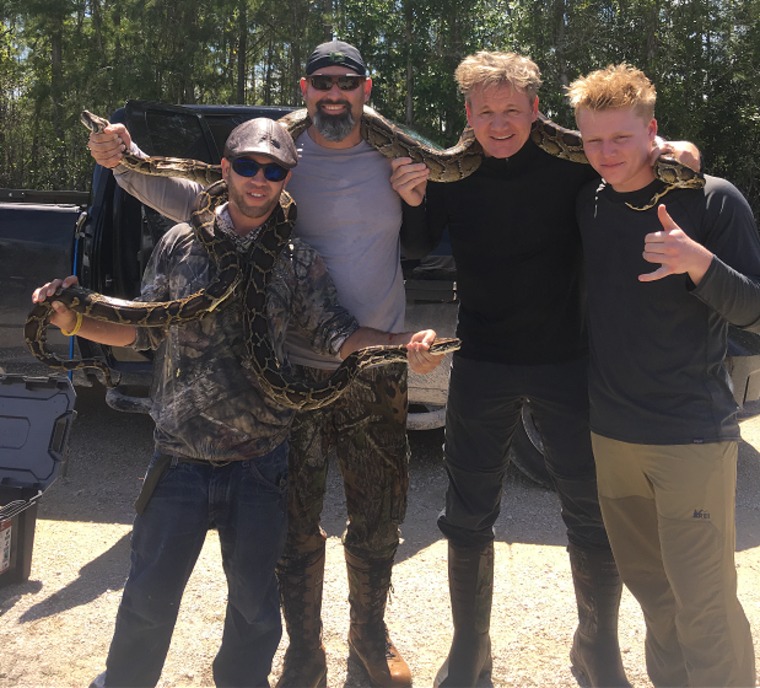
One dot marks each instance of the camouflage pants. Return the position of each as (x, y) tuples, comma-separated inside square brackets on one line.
[(366, 432)]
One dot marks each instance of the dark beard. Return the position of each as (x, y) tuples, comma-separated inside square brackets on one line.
[(334, 127)]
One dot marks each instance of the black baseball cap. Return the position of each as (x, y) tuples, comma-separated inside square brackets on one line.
[(336, 53), (262, 136)]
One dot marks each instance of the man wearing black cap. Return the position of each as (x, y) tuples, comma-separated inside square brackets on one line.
[(348, 211), (221, 451)]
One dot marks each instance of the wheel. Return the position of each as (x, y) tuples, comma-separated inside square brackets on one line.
[(527, 450)]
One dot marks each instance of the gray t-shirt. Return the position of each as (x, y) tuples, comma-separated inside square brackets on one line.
[(347, 211)]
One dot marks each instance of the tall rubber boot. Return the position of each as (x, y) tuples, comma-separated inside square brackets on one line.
[(471, 588), (595, 655), (369, 644), (304, 665)]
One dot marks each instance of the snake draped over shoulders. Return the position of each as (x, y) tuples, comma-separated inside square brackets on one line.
[(393, 141)]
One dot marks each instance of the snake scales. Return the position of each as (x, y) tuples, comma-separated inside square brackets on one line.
[(145, 314), (445, 165), (462, 159)]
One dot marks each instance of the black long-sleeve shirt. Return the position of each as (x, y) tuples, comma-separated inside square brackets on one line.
[(657, 348), (517, 249)]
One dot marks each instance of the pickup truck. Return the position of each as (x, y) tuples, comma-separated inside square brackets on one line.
[(106, 238)]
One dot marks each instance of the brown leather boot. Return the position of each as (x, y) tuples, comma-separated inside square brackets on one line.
[(595, 655), (471, 588), (304, 665), (368, 641)]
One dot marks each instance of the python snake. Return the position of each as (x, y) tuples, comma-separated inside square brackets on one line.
[(464, 157), (447, 165), (288, 390), (254, 278)]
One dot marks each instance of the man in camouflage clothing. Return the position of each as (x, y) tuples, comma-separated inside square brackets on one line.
[(221, 455)]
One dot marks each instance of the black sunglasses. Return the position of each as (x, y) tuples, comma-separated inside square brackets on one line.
[(324, 82), (246, 167)]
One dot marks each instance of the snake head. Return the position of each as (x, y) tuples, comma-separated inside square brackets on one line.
[(94, 123), (677, 175)]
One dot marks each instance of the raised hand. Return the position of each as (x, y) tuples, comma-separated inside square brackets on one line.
[(684, 151), (675, 251), (108, 147)]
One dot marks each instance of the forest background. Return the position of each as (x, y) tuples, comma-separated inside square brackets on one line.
[(60, 56)]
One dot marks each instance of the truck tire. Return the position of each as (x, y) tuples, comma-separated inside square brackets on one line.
[(527, 451)]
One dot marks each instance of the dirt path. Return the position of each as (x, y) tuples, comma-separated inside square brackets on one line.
[(56, 627)]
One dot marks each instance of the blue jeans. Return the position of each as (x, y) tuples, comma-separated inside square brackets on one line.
[(484, 408), (246, 502)]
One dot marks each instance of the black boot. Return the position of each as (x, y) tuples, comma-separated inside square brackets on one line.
[(304, 665), (595, 655), (369, 644), (471, 589)]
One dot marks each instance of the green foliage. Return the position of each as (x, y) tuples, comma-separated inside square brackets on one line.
[(58, 56)]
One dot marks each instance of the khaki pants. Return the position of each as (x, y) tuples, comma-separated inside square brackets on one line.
[(669, 514)]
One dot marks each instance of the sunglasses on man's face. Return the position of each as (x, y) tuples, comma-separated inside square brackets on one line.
[(324, 82), (246, 167)]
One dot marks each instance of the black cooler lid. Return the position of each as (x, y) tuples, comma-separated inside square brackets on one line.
[(36, 414)]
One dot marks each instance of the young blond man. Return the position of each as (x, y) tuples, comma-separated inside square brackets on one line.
[(663, 285)]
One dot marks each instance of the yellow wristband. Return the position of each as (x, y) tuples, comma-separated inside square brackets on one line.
[(75, 329)]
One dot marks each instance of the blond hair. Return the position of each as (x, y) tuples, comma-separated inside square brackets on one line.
[(615, 86), (486, 69)]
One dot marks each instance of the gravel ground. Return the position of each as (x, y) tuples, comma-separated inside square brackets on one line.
[(56, 627)]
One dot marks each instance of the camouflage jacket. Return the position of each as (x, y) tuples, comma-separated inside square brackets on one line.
[(206, 403)]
